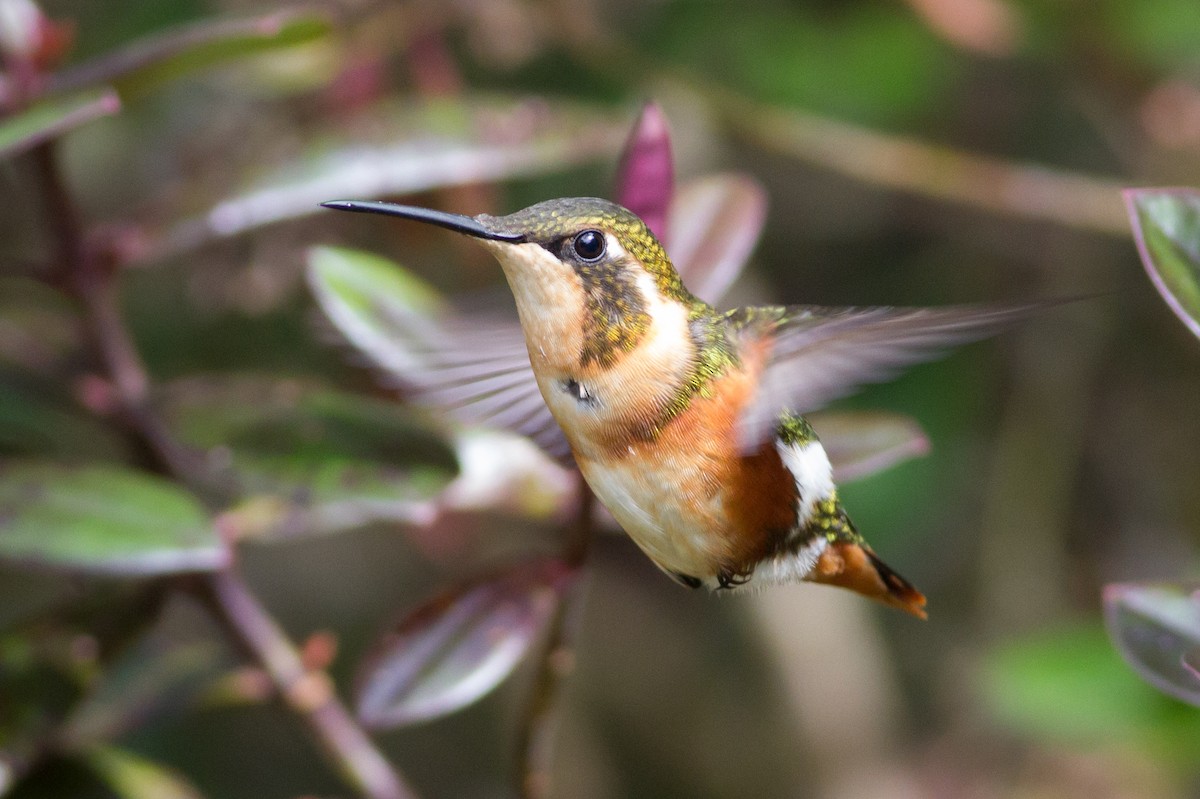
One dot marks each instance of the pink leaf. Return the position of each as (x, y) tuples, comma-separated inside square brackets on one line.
[(861, 443), (645, 177), (715, 223), (457, 647)]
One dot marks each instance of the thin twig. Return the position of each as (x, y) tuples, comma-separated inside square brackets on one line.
[(536, 733), (309, 693), (87, 275), (1032, 191), (1071, 199)]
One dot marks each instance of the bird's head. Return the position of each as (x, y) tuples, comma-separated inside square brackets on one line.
[(586, 259)]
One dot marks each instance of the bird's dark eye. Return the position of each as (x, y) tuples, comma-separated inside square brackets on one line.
[(589, 245)]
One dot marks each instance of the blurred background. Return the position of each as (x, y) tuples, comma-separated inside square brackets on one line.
[(913, 152)]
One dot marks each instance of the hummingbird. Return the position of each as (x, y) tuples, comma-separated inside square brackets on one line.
[(687, 422)]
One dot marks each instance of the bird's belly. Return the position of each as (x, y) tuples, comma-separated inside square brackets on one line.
[(670, 510)]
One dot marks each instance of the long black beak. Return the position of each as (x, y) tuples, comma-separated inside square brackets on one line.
[(455, 222)]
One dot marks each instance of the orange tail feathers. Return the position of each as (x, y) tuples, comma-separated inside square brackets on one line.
[(855, 567)]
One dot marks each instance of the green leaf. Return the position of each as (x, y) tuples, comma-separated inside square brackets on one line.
[(103, 520), (311, 459), (154, 60), (50, 119), (366, 297), (432, 353), (354, 278), (1166, 226), (424, 147), (132, 776), (456, 648)]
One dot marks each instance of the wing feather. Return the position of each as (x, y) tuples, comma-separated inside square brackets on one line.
[(818, 354)]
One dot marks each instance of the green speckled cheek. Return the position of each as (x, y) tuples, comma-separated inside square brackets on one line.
[(616, 313)]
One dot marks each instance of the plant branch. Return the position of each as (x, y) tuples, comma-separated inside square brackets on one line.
[(90, 277), (309, 693), (1032, 191), (1070, 199), (90, 273), (536, 733)]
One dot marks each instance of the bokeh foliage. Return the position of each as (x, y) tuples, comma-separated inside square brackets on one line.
[(1063, 457)]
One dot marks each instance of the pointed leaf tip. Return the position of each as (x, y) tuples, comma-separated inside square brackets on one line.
[(50, 119), (1156, 629), (862, 443), (1166, 228), (645, 179)]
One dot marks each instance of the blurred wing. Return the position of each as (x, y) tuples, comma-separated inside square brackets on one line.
[(714, 225), (815, 354), (478, 371), (472, 365)]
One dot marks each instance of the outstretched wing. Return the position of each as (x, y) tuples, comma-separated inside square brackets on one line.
[(472, 365), (477, 369), (817, 354)]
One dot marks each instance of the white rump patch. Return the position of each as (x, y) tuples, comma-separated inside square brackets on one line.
[(812, 472)]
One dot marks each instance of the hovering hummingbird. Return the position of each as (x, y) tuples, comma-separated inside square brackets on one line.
[(686, 421)]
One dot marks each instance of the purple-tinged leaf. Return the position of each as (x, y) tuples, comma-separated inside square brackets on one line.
[(419, 154), (158, 58), (861, 443), (1191, 661), (1166, 226), (50, 119), (456, 648), (102, 520), (131, 776), (1156, 628), (715, 223), (646, 175)]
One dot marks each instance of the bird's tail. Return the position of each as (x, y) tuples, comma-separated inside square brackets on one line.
[(850, 565)]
